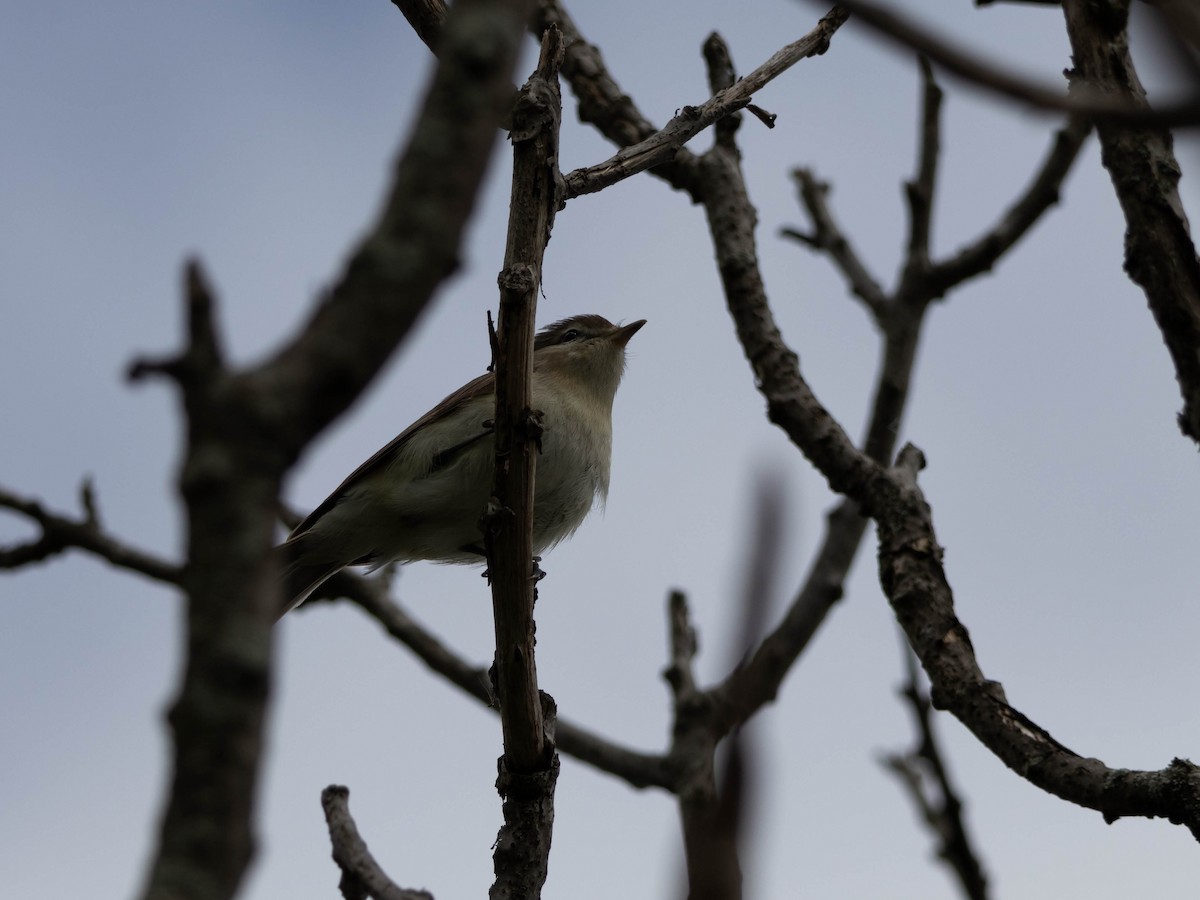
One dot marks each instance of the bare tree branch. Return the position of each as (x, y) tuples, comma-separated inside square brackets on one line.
[(603, 104), (508, 532), (245, 429), (202, 358), (909, 555), (362, 876), (713, 810), (915, 583), (636, 768), (721, 75), (1159, 253), (427, 18), (206, 838), (1043, 192), (714, 815), (919, 191), (691, 120), (913, 579), (522, 852), (732, 219), (828, 236), (924, 775), (679, 674), (967, 65), (60, 533), (976, 257), (529, 766)]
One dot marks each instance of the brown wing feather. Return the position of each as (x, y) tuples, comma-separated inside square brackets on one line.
[(481, 386)]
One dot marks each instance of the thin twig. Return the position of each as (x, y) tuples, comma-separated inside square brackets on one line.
[(679, 673), (362, 876), (60, 533), (920, 190), (719, 64), (828, 236), (981, 254), (691, 120), (926, 778), (637, 768), (967, 64), (603, 104), (203, 356)]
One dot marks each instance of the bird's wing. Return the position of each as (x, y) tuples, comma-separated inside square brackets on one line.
[(482, 386)]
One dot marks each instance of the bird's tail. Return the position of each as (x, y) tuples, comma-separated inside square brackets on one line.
[(298, 578)]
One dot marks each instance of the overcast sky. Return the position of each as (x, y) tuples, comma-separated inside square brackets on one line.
[(259, 136)]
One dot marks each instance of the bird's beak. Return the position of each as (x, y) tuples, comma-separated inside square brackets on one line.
[(621, 335)]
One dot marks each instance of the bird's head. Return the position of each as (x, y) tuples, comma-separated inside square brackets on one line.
[(588, 349)]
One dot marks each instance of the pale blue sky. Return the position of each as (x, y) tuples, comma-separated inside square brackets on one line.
[(259, 137)]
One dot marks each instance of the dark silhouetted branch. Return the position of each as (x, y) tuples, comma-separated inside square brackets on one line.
[(427, 18), (968, 65), (522, 853), (60, 533), (909, 555), (714, 815), (601, 102), (679, 673), (1160, 255), (362, 876), (534, 201), (529, 766), (925, 777), (691, 120), (637, 768), (246, 428), (981, 254), (919, 191), (828, 237)]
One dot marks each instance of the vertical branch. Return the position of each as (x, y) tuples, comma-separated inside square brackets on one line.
[(924, 774), (529, 764), (510, 525), (714, 826), (246, 428), (1159, 253), (920, 190), (206, 837), (710, 809)]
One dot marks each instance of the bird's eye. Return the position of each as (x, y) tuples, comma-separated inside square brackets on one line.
[(569, 335)]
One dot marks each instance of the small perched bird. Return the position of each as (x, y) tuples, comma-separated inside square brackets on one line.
[(422, 496)]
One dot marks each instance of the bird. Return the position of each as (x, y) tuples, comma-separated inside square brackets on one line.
[(422, 495)]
